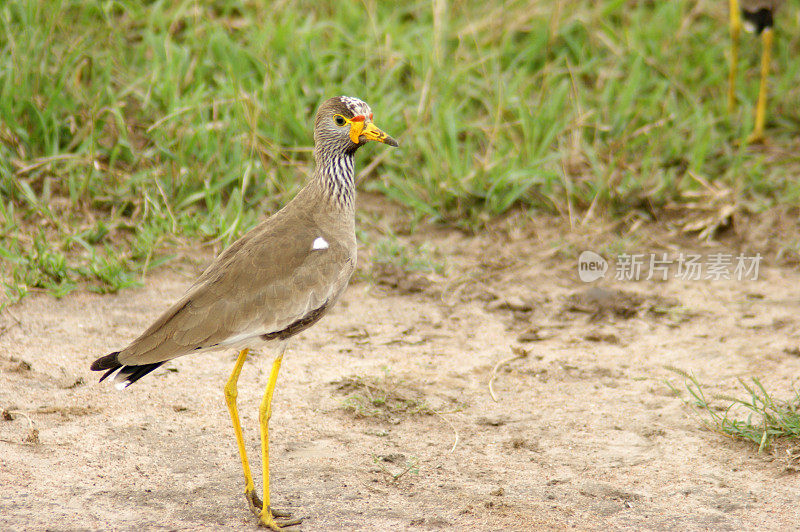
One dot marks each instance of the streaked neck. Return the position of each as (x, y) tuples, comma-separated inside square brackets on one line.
[(336, 177)]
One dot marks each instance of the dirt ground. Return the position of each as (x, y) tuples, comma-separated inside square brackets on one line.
[(584, 434)]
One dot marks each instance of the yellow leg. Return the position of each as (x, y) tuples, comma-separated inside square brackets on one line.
[(264, 414), (761, 108), (736, 29), (231, 393)]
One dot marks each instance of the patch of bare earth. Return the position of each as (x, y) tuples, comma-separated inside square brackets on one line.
[(383, 415)]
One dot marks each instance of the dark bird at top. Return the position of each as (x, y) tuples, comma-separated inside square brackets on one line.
[(756, 16)]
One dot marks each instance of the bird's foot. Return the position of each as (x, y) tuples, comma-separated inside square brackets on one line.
[(756, 138), (254, 502), (270, 519), (273, 519)]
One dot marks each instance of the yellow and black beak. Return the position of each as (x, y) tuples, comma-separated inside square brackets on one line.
[(369, 131)]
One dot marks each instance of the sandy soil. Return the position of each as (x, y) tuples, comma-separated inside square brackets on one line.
[(394, 382)]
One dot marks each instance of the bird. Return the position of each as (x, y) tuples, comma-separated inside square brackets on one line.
[(275, 281), (756, 16)]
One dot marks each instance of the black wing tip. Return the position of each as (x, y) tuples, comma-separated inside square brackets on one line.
[(108, 373), (107, 362), (127, 374), (759, 20), (131, 374)]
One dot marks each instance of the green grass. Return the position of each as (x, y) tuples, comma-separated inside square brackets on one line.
[(386, 398), (758, 418), (390, 250), (128, 128)]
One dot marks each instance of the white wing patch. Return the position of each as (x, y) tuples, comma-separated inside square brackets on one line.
[(319, 243)]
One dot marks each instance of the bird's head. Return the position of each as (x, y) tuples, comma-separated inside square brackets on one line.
[(344, 124)]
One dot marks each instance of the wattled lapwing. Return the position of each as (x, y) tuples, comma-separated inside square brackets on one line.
[(758, 16), (275, 281)]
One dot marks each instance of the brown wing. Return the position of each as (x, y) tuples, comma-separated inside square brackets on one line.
[(261, 284)]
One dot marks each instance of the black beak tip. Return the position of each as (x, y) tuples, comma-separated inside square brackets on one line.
[(391, 142)]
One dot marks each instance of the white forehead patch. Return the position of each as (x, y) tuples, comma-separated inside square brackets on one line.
[(356, 106), (319, 243)]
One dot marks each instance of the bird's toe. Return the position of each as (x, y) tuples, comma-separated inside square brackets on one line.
[(271, 519)]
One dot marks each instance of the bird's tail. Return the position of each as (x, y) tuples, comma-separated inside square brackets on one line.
[(126, 375)]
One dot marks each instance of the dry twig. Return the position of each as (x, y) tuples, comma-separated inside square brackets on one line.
[(519, 353)]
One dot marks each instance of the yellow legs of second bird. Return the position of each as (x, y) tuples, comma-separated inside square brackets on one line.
[(261, 509), (767, 35), (736, 29), (761, 107)]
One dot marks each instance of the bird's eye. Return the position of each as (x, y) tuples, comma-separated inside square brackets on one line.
[(339, 119)]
